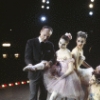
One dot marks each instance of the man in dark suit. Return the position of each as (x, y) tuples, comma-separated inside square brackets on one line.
[(38, 49)]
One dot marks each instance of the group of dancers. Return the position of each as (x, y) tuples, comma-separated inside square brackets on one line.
[(65, 77)]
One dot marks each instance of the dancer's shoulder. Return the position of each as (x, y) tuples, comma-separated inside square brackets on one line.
[(75, 50)]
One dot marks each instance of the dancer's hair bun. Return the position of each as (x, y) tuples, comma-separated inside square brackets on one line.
[(68, 35)]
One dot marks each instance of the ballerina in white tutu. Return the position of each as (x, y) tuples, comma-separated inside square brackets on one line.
[(68, 83), (79, 57)]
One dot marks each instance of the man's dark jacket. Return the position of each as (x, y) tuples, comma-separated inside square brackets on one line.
[(35, 52)]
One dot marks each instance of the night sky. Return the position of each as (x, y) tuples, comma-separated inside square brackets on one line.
[(23, 17)]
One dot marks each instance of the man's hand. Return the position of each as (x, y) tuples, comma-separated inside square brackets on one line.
[(48, 64)]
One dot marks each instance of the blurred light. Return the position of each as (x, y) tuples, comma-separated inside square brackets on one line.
[(17, 83), (92, 0), (10, 29), (90, 13), (43, 1), (11, 84), (90, 5), (47, 2), (6, 44), (4, 55), (16, 55), (42, 6), (43, 18), (28, 81), (23, 82), (4, 85), (47, 7)]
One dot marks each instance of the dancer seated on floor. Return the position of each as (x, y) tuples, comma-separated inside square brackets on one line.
[(94, 88)]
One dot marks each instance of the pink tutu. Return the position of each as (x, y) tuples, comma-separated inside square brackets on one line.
[(69, 87)]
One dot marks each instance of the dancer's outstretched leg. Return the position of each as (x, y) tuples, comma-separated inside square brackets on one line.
[(39, 66)]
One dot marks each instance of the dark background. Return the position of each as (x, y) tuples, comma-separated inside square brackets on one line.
[(23, 17)]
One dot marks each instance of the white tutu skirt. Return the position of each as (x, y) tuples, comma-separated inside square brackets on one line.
[(69, 86), (85, 74)]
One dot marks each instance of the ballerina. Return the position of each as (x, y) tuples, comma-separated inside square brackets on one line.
[(79, 57), (68, 83)]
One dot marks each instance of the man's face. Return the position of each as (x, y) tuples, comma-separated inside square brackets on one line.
[(45, 34), (80, 42)]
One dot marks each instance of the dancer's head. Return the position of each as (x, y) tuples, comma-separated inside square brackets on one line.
[(98, 69), (64, 40), (81, 39), (45, 33), (95, 79)]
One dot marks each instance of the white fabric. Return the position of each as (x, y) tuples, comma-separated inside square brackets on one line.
[(40, 66), (40, 39), (85, 73), (53, 96)]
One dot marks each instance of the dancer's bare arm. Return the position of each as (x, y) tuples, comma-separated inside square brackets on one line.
[(85, 64), (75, 55)]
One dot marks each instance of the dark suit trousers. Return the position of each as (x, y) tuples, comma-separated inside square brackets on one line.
[(35, 87)]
